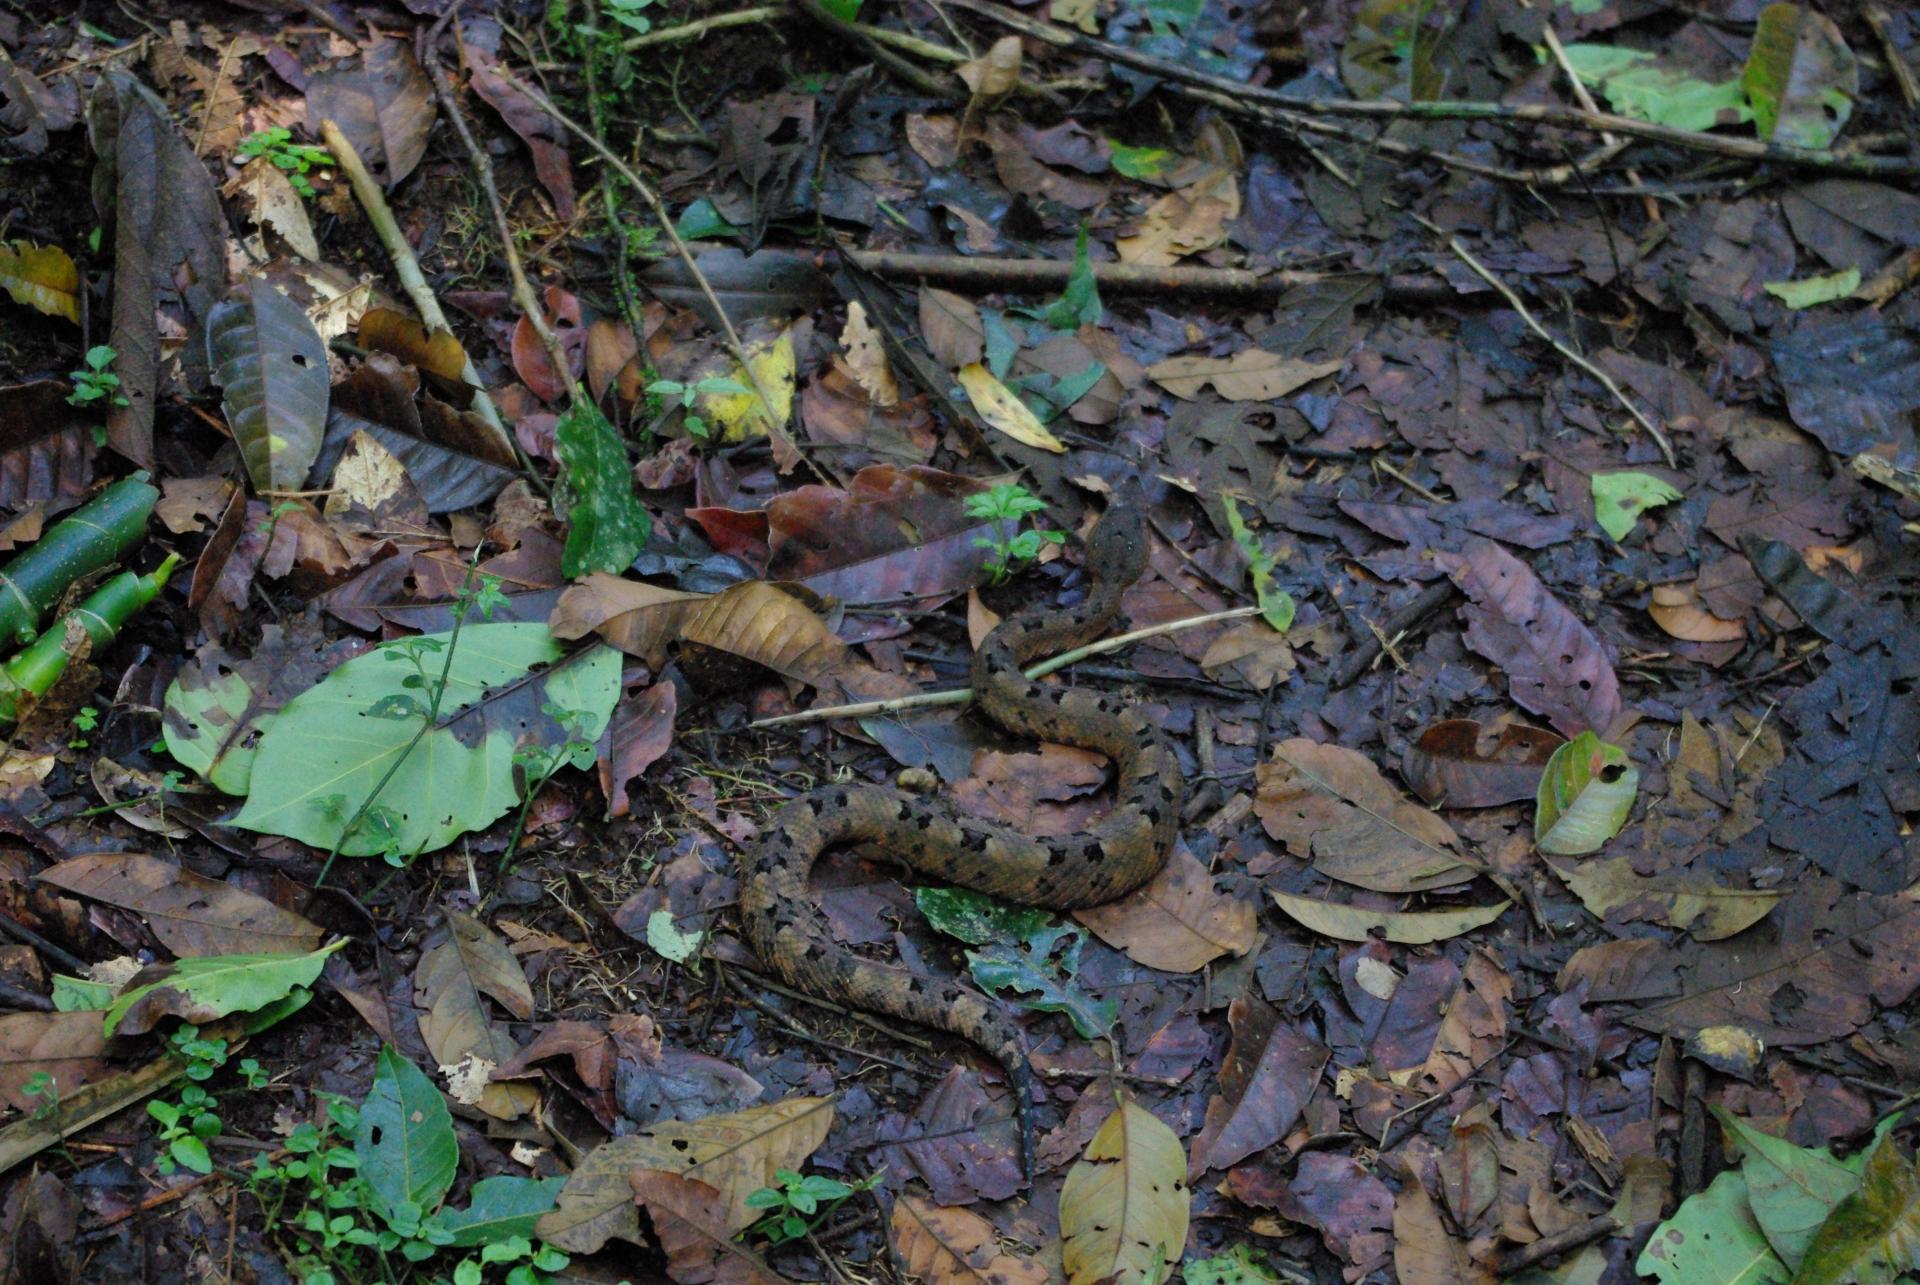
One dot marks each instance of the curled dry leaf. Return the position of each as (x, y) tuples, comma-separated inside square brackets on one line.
[(1408, 927), (1677, 609), (752, 619), (1332, 805), (1125, 1205), (190, 914), (1554, 665), (1459, 763), (940, 1244), (1179, 922)]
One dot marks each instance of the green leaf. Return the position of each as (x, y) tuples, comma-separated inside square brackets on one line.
[(1790, 1189), (190, 1152), (1620, 498), (1148, 163), (668, 941), (1079, 304), (1647, 87), (702, 221), (1809, 292), (1237, 1266), (1276, 604), (606, 525), (976, 918), (1585, 795), (1712, 1239), (405, 1140), (1043, 968), (845, 10), (208, 986), (326, 752), (76, 994), (1800, 77), (1873, 1235), (500, 1207)]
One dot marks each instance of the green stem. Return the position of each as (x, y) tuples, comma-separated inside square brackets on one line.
[(95, 535), (33, 672)]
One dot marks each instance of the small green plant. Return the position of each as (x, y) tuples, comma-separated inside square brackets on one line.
[(606, 44), (538, 763), (1010, 547), (84, 722), (97, 384), (296, 159), (800, 1203), (672, 391), (184, 1125), (43, 1086)]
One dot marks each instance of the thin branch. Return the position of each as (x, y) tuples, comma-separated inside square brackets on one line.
[(701, 27), (1518, 305), (961, 695), (1037, 276), (1528, 114), (407, 267)]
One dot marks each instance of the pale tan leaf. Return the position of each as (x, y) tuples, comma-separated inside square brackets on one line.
[(1409, 928), (1611, 890), (271, 202), (867, 358), (1250, 375), (1185, 222), (946, 1245), (1124, 1207), (994, 74), (1004, 410), (449, 983), (1179, 922), (1676, 608), (951, 326)]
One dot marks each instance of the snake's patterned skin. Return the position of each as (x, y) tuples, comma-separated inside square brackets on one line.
[(1124, 850)]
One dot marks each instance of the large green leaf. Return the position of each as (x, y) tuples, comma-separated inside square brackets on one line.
[(1791, 1189), (606, 527), (1585, 795), (271, 366), (1800, 77), (1647, 87), (405, 1141), (331, 746), (1712, 1239), (204, 987), (505, 1206), (1873, 1236)]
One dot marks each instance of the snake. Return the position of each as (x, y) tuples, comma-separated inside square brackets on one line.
[(1124, 849)]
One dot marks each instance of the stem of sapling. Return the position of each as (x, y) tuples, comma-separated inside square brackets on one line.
[(32, 673)]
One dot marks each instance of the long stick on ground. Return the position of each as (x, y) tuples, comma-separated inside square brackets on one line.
[(407, 268), (961, 695)]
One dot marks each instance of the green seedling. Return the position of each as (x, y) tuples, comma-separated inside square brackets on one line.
[(1009, 547), (672, 392), (96, 384), (297, 160), (800, 1203)]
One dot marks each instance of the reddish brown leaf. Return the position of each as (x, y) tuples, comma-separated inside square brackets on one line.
[(1270, 1071), (1179, 922), (690, 1218), (640, 732), (1458, 763), (70, 1047), (1554, 665), (46, 447), (382, 101), (190, 914), (947, 1246)]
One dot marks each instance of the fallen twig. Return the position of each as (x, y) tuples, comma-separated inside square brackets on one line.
[(1037, 276), (1518, 305), (407, 267), (961, 695)]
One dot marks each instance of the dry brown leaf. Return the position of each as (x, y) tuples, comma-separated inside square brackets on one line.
[(1185, 222), (1332, 804), (271, 202), (1179, 922), (993, 75), (1125, 1205), (190, 914), (70, 1047), (1250, 375), (690, 1220), (1611, 890), (951, 326), (449, 983), (736, 1154), (1409, 928), (948, 1245), (867, 358)]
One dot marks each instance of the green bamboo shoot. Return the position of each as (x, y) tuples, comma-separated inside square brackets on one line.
[(95, 535), (32, 674)]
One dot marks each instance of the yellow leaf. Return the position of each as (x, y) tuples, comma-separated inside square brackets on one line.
[(1123, 1210), (740, 415), (42, 277), (1006, 412), (867, 359), (1409, 928)]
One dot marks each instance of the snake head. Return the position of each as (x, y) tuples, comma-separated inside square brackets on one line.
[(1117, 548)]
